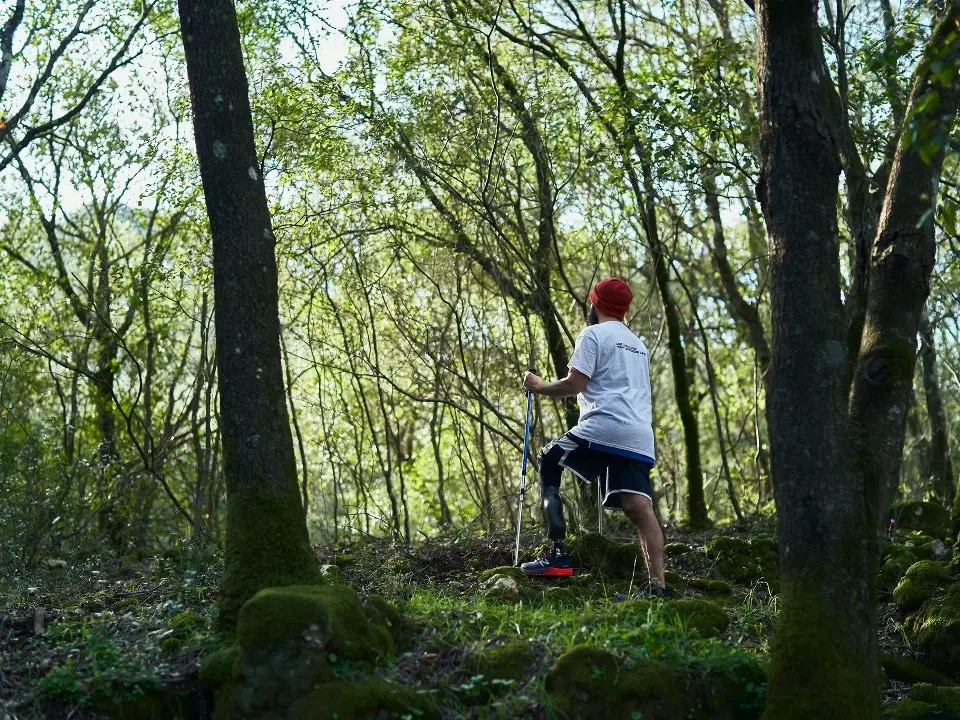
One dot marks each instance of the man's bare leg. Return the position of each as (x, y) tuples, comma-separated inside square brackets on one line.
[(639, 509)]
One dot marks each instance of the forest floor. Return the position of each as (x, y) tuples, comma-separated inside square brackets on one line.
[(95, 638)]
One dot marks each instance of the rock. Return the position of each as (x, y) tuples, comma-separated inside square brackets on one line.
[(926, 702), (907, 669), (378, 609), (503, 588), (705, 617), (188, 621), (733, 558), (898, 560), (292, 639), (935, 629), (370, 698), (676, 549), (55, 563), (332, 613), (332, 574), (504, 571), (937, 550), (597, 553), (920, 583), (674, 581), (219, 667), (712, 587), (342, 560), (733, 692), (591, 683), (506, 661), (930, 518)]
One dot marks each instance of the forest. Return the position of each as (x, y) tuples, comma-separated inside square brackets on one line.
[(272, 274)]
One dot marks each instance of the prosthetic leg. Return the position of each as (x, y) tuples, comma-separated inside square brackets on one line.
[(557, 563)]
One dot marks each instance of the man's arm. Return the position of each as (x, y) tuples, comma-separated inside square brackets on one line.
[(572, 384)]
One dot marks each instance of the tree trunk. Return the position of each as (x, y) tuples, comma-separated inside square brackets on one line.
[(696, 503), (824, 662), (266, 534), (901, 263), (941, 467), (836, 456)]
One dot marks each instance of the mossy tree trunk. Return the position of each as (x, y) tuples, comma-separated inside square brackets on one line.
[(838, 400), (266, 535)]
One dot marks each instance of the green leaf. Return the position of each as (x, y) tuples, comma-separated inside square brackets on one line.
[(929, 103)]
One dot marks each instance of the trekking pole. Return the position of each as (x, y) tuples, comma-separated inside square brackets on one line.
[(523, 472)]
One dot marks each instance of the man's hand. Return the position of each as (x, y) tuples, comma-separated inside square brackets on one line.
[(531, 382), (571, 385)]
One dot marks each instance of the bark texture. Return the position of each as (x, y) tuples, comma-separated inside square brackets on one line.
[(836, 452), (266, 534), (822, 648)]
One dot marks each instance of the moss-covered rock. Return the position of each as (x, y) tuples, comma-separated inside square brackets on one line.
[(648, 688), (676, 549), (921, 582), (674, 580), (733, 691), (331, 614), (734, 559), (935, 629), (926, 702), (504, 571), (597, 553), (707, 618), (371, 698), (590, 683), (505, 661), (927, 517), (187, 621), (898, 559), (500, 588), (712, 587), (332, 574), (380, 610), (291, 639), (907, 669), (181, 627), (342, 560), (219, 667)]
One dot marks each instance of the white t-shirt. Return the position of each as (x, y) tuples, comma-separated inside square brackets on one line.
[(616, 407)]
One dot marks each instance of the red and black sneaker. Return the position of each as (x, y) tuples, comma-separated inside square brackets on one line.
[(552, 565)]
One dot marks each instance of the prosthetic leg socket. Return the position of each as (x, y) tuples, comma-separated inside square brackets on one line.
[(553, 512)]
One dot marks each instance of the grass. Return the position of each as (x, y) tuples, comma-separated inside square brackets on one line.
[(455, 621)]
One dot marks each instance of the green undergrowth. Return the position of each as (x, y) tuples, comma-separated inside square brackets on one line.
[(120, 638), (635, 627), (448, 629)]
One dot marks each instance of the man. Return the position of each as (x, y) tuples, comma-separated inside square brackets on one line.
[(613, 441)]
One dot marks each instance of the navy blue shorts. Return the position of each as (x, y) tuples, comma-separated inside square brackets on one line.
[(617, 473)]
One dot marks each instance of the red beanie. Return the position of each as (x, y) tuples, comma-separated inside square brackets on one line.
[(612, 297)]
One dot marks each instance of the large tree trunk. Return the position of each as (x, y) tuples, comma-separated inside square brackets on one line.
[(823, 647), (901, 263), (836, 458), (266, 535)]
